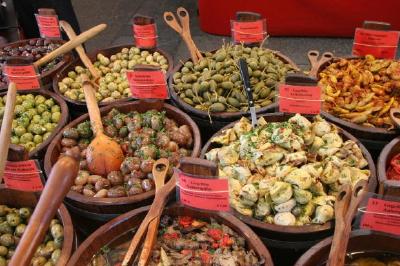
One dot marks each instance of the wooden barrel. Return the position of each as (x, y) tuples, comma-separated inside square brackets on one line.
[(287, 243), (46, 77), (361, 242), (95, 211), (386, 186), (79, 107), (18, 199), (39, 151), (374, 139), (128, 221), (209, 123)]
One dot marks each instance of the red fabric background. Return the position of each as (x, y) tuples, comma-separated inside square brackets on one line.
[(301, 17)]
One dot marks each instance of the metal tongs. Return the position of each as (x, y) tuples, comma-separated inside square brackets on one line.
[(244, 73)]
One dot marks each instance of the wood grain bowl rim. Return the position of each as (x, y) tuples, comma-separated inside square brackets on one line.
[(305, 229), (77, 197), (225, 218), (92, 56)]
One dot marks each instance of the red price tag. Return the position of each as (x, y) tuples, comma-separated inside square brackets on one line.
[(204, 193), (24, 175), (25, 77), (145, 35), (248, 31), (381, 44), (147, 84), (382, 215), (48, 26), (299, 99)]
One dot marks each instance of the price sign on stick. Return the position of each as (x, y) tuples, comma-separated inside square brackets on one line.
[(382, 215), (248, 28), (23, 175), (144, 32), (146, 83), (203, 193), (22, 72)]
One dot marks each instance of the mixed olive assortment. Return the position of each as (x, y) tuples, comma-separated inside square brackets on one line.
[(113, 84), (287, 173), (35, 49), (144, 138), (36, 117), (362, 90), (214, 83), (13, 223)]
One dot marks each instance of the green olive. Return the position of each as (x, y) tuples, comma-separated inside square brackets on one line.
[(19, 230), (3, 261), (13, 219), (57, 231), (7, 240), (217, 107), (5, 228), (3, 251)]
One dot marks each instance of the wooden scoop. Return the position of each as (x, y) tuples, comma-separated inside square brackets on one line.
[(80, 50), (71, 44), (6, 126), (394, 115), (345, 208), (61, 179), (160, 169), (184, 30), (103, 154), (317, 63)]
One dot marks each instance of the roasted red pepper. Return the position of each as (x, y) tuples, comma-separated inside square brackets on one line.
[(215, 245), (215, 234), (171, 236), (393, 172), (185, 221), (205, 257)]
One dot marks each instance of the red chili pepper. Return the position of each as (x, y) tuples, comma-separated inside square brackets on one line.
[(185, 221), (171, 236), (226, 241), (393, 172), (215, 234), (215, 245), (205, 257), (186, 251)]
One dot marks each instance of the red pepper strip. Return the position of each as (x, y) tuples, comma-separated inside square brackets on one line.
[(205, 257), (215, 234), (185, 221), (226, 241), (393, 172), (215, 245), (171, 236)]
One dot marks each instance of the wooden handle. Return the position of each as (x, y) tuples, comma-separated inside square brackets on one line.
[(93, 108), (6, 126), (170, 19), (80, 50), (17, 153), (152, 231), (61, 178), (71, 44), (393, 115)]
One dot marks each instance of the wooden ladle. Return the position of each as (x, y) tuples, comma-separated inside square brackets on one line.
[(160, 169), (61, 178), (6, 126), (103, 154)]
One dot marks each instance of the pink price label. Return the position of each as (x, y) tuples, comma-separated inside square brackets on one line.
[(145, 35), (23, 175), (204, 193), (25, 77), (248, 31), (299, 99), (48, 26), (381, 44), (147, 84), (382, 215)]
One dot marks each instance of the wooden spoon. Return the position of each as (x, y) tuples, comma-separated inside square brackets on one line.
[(80, 50), (71, 44), (61, 179), (394, 112), (160, 169), (6, 126), (103, 154), (317, 63)]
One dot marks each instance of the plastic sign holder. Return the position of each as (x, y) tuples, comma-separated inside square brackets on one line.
[(23, 175), (147, 82), (376, 39), (22, 72), (300, 94), (47, 21), (248, 28), (144, 31)]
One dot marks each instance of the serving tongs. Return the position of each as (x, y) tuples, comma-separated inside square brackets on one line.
[(244, 73), (183, 28), (346, 206), (188, 165)]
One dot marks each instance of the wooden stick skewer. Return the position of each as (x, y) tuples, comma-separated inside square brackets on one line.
[(6, 127)]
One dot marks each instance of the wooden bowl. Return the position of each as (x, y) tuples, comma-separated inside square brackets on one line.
[(40, 150), (295, 233), (120, 225), (18, 199), (46, 77), (386, 186), (360, 241), (373, 138), (219, 119), (123, 204), (80, 106)]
